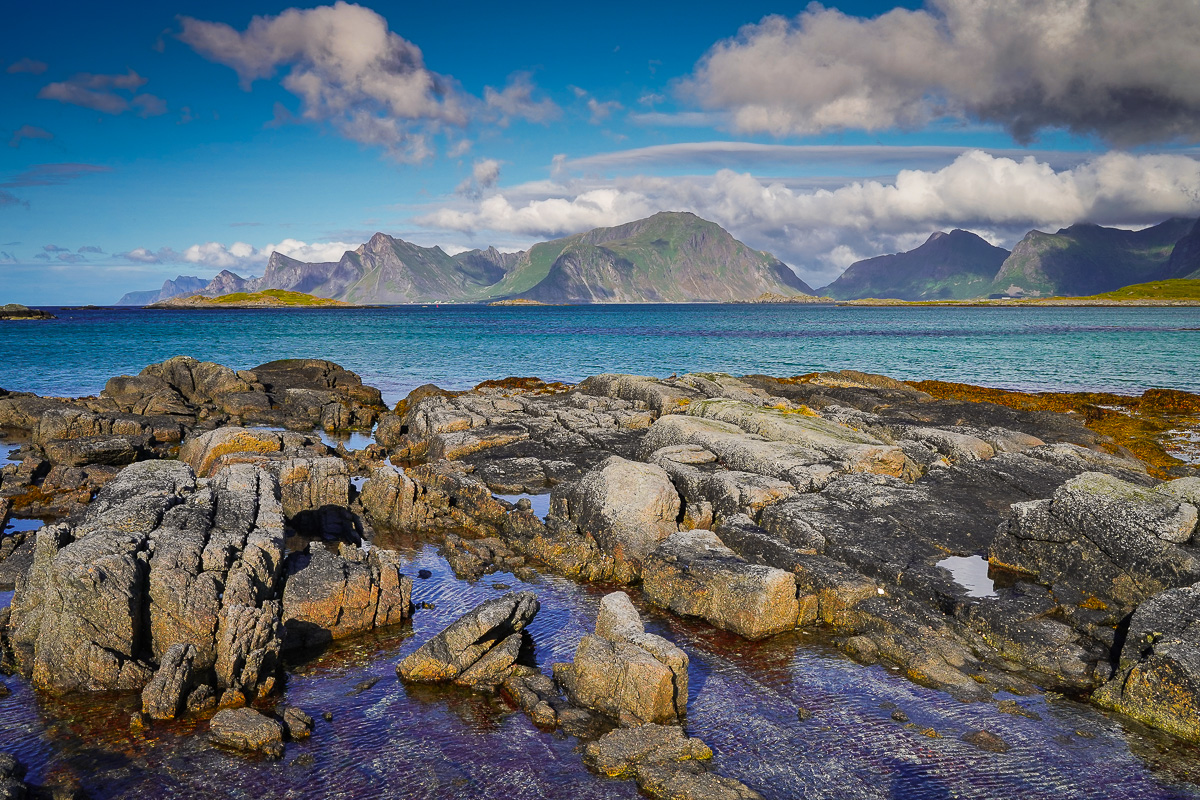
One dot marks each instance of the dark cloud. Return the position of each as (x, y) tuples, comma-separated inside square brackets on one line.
[(51, 175), (27, 65), (88, 248), (42, 256), (53, 248), (10, 199), (7, 257), (70, 258), (29, 132), (105, 93), (1125, 70)]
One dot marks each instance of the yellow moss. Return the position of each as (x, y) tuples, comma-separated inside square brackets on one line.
[(1094, 604)]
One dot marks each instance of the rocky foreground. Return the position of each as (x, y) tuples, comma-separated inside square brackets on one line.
[(199, 529)]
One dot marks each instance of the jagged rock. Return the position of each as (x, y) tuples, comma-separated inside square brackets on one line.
[(164, 696), (693, 573), (454, 651), (622, 670), (329, 597), (247, 730), (297, 724), (627, 507), (1120, 541), (1158, 677), (156, 561)]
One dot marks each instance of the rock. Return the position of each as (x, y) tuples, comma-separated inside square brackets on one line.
[(107, 450), (1117, 539), (626, 506), (618, 754), (469, 639), (664, 762), (986, 740), (853, 450), (622, 670), (297, 724), (1158, 677), (693, 573), (657, 395), (209, 451), (328, 597), (247, 730), (163, 697), (156, 561)]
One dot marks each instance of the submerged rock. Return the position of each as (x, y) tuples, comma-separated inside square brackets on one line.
[(478, 648), (247, 730)]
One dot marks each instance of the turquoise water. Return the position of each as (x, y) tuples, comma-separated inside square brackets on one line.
[(396, 349)]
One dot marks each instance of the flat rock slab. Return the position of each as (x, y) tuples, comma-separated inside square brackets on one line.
[(247, 730)]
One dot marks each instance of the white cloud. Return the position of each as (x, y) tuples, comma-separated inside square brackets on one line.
[(1126, 70), (601, 111), (485, 174), (820, 231), (350, 71), (238, 255)]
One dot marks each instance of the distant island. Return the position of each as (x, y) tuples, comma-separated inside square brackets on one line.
[(519, 301), (268, 298), (16, 311), (677, 257), (1174, 292)]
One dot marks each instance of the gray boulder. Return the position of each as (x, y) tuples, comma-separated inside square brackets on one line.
[(622, 671), (451, 654)]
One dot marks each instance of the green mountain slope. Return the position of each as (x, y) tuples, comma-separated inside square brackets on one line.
[(1088, 259), (949, 266), (671, 257), (1185, 258)]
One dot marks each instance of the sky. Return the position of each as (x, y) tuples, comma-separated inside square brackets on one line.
[(144, 140)]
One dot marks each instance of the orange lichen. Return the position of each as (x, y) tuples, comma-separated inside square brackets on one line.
[(1136, 424)]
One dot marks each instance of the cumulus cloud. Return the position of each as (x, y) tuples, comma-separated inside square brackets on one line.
[(1126, 70), (89, 248), (53, 248), (27, 65), (601, 111), (70, 258), (238, 255), (822, 230), (110, 94), (344, 64), (29, 132)]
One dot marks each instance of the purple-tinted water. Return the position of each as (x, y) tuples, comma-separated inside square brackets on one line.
[(390, 740)]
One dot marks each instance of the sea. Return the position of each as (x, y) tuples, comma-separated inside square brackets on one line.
[(790, 716), (1121, 350)]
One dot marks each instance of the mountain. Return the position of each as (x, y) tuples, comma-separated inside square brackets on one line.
[(1185, 258), (1089, 259), (183, 285), (671, 257), (949, 266)]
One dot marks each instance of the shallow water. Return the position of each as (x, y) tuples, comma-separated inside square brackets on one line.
[(540, 502), (386, 739), (971, 573), (1119, 349)]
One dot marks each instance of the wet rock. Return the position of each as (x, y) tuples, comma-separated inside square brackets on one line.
[(693, 573), (163, 697), (297, 724), (627, 507), (1158, 677), (664, 762), (1120, 541), (247, 730), (471, 638), (621, 670)]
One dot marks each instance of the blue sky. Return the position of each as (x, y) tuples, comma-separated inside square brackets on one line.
[(160, 139)]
